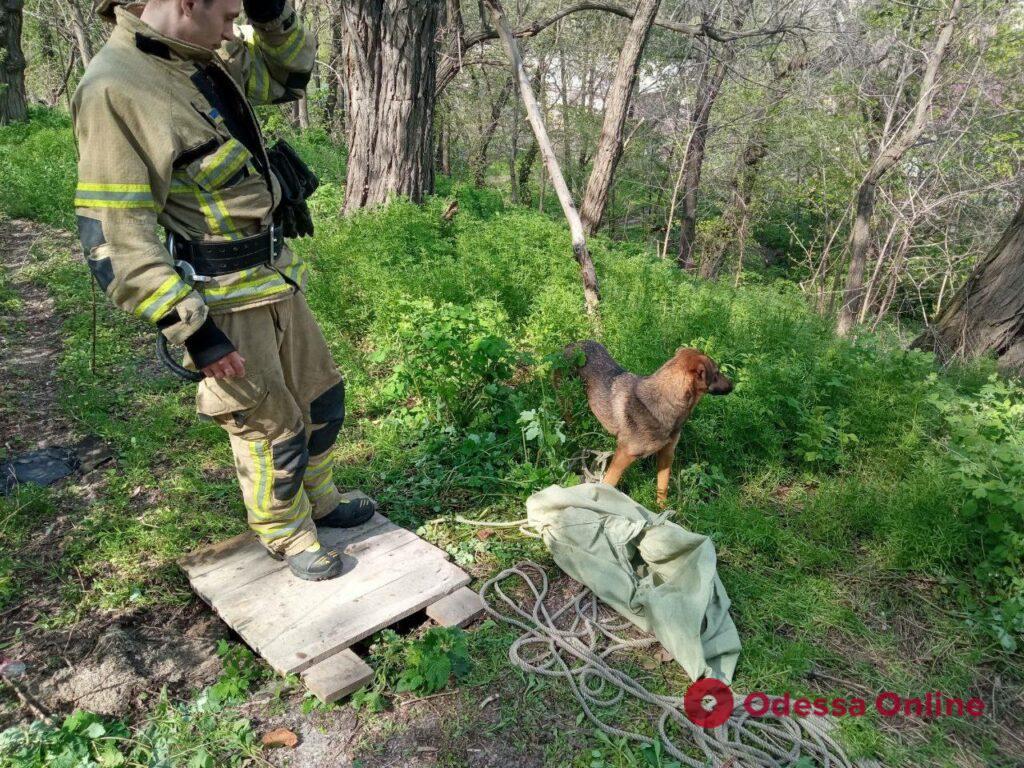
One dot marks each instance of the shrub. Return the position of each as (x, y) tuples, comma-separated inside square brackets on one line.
[(986, 449), (38, 168)]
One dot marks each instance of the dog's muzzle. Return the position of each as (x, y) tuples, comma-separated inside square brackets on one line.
[(720, 386)]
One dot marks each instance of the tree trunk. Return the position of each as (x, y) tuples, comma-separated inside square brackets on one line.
[(334, 93), (860, 237), (563, 90), (525, 168), (616, 108), (737, 215), (986, 316), (588, 274), (13, 107), (707, 92), (80, 31), (389, 69), (443, 162), (489, 129)]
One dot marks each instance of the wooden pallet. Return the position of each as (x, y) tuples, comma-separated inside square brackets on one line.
[(305, 627)]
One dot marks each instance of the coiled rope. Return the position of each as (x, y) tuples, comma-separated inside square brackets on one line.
[(573, 643)]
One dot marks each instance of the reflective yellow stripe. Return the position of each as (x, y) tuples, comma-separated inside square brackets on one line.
[(91, 186), (295, 272), (312, 470), (294, 51), (321, 488), (84, 203), (258, 83), (170, 292), (182, 185), (287, 49), (222, 291), (222, 164), (216, 213), (263, 469), (90, 194), (290, 519)]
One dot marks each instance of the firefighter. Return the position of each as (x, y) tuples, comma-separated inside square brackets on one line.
[(167, 138)]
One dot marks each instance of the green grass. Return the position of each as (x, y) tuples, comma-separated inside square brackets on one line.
[(825, 479)]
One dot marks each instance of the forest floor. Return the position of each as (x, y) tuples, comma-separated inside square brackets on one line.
[(92, 602)]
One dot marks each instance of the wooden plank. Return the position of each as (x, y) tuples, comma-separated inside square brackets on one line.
[(279, 602), (338, 625), (220, 555), (337, 676), (240, 572), (457, 609)]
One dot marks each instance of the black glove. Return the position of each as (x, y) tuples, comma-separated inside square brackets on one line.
[(263, 11), (297, 183), (208, 344)]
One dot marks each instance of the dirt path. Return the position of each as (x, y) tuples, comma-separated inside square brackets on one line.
[(30, 345), (104, 662)]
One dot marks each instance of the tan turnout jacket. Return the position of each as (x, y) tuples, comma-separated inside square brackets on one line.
[(167, 137)]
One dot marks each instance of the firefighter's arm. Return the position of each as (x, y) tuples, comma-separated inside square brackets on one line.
[(117, 199), (274, 55)]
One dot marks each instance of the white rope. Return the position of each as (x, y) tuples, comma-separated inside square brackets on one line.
[(573, 644)]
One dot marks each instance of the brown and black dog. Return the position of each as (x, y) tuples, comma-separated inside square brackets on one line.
[(646, 413)]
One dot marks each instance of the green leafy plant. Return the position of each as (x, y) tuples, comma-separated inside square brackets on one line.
[(84, 739), (240, 671), (432, 660), (987, 451), (422, 666)]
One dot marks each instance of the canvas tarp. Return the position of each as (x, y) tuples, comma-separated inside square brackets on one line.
[(655, 573)]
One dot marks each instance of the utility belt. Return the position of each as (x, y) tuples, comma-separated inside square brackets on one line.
[(200, 261)]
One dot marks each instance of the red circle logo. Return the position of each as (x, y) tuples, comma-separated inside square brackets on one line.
[(708, 703)]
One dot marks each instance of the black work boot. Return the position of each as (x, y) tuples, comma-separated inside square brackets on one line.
[(316, 563), (349, 513)]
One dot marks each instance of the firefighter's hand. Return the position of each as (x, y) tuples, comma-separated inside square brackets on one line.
[(263, 11), (228, 367)]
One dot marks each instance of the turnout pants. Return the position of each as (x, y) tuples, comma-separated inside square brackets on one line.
[(282, 417)]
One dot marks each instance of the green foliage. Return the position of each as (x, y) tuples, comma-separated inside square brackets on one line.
[(833, 467), (422, 666), (987, 451), (450, 362), (620, 751), (38, 168), (431, 661), (83, 740), (239, 673)]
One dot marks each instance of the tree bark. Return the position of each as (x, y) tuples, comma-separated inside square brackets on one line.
[(389, 68), (616, 108), (707, 92), (887, 157), (591, 293), (13, 107), (986, 316)]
